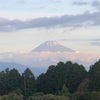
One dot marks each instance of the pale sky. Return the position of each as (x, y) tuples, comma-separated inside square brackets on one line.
[(25, 24)]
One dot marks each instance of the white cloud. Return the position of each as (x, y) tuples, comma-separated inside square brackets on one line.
[(45, 59)]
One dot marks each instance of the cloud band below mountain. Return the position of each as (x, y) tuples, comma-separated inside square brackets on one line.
[(45, 59)]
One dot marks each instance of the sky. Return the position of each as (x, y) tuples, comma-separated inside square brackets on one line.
[(25, 24)]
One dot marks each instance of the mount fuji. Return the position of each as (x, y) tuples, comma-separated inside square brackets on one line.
[(52, 46)]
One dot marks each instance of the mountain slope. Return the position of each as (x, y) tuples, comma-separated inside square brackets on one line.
[(21, 68), (52, 46)]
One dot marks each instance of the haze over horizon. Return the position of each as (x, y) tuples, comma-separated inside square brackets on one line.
[(24, 25)]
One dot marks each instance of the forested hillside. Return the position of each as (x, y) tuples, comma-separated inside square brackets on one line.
[(64, 81)]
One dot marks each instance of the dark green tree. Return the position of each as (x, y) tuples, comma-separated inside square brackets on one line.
[(14, 80), (64, 91), (63, 73), (94, 75), (83, 87), (9, 81), (4, 81), (28, 83), (40, 83), (76, 74)]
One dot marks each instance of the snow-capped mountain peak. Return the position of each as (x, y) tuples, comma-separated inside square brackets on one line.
[(52, 46), (51, 43)]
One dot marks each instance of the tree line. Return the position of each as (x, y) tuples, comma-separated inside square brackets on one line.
[(64, 81)]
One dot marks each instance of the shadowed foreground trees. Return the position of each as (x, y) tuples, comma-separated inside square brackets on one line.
[(10, 80), (11, 96), (28, 83), (63, 73), (48, 97), (94, 76), (64, 81)]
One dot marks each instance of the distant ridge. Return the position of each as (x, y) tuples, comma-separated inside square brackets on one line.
[(52, 46), (21, 68)]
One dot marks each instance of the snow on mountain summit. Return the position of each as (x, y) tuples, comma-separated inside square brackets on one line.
[(52, 46), (52, 43)]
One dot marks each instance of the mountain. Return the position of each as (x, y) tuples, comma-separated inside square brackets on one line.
[(21, 68), (52, 46)]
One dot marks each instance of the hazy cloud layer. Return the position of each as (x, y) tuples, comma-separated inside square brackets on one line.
[(96, 3), (96, 43), (21, 2), (88, 40), (45, 59), (93, 42), (56, 1), (80, 3), (80, 20), (93, 3)]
